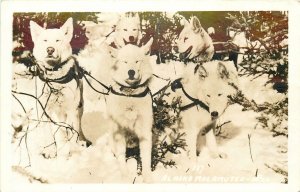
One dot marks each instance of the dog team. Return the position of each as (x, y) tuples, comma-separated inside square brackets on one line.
[(118, 70)]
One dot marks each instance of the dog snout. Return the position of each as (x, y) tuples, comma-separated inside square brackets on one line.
[(50, 50), (131, 74), (131, 38), (214, 114)]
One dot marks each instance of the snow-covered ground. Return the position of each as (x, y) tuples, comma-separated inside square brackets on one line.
[(251, 150)]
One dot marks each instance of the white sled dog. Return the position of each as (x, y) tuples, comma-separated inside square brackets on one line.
[(128, 30), (56, 82), (205, 91), (129, 103), (193, 42)]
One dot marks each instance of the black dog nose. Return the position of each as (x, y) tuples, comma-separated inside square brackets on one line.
[(214, 114), (131, 74), (131, 38), (50, 50)]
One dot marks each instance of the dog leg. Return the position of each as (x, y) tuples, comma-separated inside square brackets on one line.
[(145, 152), (119, 150), (211, 144), (191, 141), (49, 148), (74, 119)]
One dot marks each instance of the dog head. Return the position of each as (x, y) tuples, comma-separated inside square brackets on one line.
[(192, 40), (52, 46), (212, 83), (131, 66), (128, 30)]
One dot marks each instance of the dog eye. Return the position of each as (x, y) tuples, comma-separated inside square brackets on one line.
[(124, 29), (137, 61), (219, 94), (208, 95), (45, 40), (185, 39), (134, 29), (57, 40), (125, 62)]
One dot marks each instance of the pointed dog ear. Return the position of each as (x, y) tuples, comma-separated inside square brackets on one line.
[(136, 16), (147, 47), (222, 71), (68, 29), (196, 25), (200, 70), (35, 30)]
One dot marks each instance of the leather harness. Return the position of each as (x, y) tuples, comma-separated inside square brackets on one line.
[(195, 102), (73, 73)]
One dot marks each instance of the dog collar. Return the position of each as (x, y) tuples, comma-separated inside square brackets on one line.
[(195, 102), (58, 66), (62, 80), (142, 94), (73, 72), (141, 85)]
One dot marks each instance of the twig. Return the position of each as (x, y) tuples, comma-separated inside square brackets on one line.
[(20, 103), (218, 128), (26, 144), (25, 173), (36, 103), (61, 124), (277, 170), (162, 89), (249, 137)]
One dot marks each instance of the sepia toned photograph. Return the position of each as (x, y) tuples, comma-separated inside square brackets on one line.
[(139, 96), (146, 97)]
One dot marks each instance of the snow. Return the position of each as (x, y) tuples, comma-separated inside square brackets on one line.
[(255, 89), (97, 164)]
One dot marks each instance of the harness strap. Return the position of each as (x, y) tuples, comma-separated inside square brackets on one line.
[(196, 58), (195, 102), (139, 95), (62, 80), (73, 72), (60, 65), (89, 83), (88, 74), (135, 87), (188, 106)]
